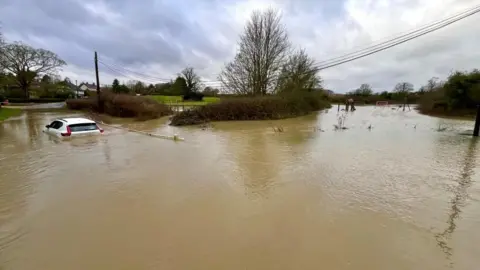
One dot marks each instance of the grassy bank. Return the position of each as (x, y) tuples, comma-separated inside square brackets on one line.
[(122, 105), (177, 100), (6, 113), (252, 108)]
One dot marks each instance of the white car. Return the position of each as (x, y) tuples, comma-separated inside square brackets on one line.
[(67, 127)]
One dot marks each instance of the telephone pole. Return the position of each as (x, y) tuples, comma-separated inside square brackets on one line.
[(476, 128), (100, 107)]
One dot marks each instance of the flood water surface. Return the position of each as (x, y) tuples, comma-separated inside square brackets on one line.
[(401, 195)]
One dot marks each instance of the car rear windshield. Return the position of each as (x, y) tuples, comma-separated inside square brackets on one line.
[(83, 127)]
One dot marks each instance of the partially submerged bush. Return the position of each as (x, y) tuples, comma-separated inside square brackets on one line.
[(252, 108), (122, 105)]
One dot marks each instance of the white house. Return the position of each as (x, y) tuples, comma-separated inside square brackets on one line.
[(84, 87)]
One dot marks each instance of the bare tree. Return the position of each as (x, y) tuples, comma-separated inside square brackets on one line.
[(26, 63), (263, 48), (192, 80), (433, 84), (403, 88), (298, 74), (139, 87), (131, 84)]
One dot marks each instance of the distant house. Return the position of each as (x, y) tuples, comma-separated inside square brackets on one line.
[(83, 88)]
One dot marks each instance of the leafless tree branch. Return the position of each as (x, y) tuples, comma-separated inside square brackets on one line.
[(26, 62), (298, 74), (263, 48)]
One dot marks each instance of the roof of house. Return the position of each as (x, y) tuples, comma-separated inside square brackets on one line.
[(89, 85)]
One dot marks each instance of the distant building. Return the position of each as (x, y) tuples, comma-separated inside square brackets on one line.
[(83, 88)]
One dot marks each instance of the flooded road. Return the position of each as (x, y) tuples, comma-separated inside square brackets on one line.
[(402, 195)]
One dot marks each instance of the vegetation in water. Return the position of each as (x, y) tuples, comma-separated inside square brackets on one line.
[(121, 105), (253, 108)]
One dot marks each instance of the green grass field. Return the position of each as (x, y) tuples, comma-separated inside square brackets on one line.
[(9, 112), (177, 100)]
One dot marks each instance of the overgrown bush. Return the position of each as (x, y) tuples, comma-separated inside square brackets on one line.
[(122, 105), (459, 96), (252, 108)]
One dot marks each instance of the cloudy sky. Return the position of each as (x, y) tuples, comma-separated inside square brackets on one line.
[(151, 40)]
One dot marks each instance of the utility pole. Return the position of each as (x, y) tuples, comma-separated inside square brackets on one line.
[(76, 87), (477, 123), (100, 107)]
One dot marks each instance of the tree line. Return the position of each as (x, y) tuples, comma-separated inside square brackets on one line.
[(402, 88), (458, 94), (187, 82)]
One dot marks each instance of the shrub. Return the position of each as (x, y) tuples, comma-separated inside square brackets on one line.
[(122, 105), (252, 108)]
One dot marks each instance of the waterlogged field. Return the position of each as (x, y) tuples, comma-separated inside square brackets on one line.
[(393, 190)]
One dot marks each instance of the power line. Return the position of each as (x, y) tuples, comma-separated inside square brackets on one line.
[(134, 72), (398, 42), (122, 71), (424, 27), (115, 71), (119, 72)]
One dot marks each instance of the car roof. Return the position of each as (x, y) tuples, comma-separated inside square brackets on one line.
[(78, 120)]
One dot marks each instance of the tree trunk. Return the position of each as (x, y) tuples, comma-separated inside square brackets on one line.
[(26, 93)]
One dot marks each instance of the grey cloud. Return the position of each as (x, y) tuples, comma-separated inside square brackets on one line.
[(147, 32), (162, 37)]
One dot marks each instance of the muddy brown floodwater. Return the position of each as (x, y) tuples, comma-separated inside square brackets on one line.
[(402, 195)]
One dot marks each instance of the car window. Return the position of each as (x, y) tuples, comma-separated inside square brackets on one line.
[(56, 124), (83, 127)]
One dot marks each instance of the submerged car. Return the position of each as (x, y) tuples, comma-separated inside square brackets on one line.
[(68, 127)]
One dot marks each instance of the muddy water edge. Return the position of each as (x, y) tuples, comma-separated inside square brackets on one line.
[(401, 195)]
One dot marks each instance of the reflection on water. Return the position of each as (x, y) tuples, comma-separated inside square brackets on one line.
[(399, 195), (459, 197)]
